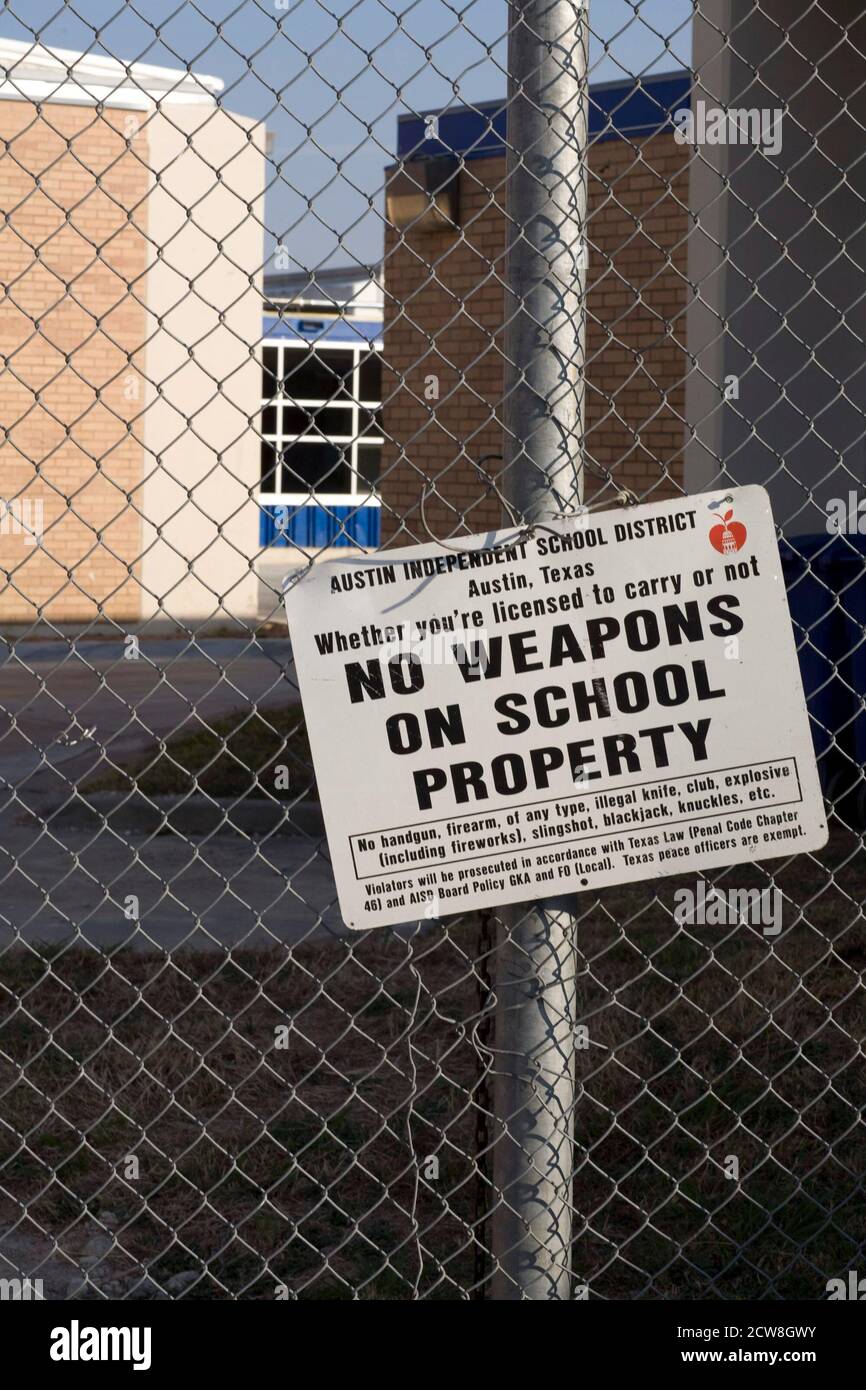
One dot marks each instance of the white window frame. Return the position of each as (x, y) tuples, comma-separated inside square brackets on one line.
[(362, 494)]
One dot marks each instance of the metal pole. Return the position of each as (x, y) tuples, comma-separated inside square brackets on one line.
[(544, 346)]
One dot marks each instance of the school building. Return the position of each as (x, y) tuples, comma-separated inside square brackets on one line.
[(438, 317), (187, 432), (444, 307), (129, 329)]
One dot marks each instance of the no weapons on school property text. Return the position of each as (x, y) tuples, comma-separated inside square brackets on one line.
[(611, 697)]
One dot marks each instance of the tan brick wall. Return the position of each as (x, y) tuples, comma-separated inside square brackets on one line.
[(72, 252), (443, 317)]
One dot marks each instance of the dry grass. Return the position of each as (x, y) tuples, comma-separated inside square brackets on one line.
[(249, 1152), (265, 1165), (234, 756)]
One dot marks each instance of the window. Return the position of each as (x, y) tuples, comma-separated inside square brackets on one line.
[(321, 421), (369, 462), (370, 377)]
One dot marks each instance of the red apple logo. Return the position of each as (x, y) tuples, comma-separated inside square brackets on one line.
[(728, 535)]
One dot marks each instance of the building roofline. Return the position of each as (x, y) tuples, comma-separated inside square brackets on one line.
[(32, 72), (629, 108)]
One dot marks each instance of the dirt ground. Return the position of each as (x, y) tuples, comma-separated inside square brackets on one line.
[(256, 1122)]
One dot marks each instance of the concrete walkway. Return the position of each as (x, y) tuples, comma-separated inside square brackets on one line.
[(223, 890)]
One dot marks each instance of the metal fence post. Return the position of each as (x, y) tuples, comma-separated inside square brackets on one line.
[(544, 346)]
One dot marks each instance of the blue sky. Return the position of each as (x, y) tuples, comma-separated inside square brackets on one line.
[(330, 78)]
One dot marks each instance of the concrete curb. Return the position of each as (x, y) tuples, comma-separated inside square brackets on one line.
[(159, 652), (190, 815)]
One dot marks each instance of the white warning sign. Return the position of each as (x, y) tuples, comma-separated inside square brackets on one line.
[(531, 713)]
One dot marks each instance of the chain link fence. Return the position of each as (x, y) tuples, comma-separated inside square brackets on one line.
[(258, 281)]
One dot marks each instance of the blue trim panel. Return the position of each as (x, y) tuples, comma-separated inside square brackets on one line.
[(312, 525), (616, 110)]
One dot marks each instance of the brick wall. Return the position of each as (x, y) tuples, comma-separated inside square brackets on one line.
[(73, 254), (443, 319)]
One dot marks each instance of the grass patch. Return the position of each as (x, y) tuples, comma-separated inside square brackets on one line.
[(234, 756)]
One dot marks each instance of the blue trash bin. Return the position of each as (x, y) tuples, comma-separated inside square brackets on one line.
[(811, 571), (846, 564)]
